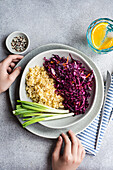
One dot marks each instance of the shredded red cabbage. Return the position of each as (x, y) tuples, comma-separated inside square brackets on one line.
[(73, 82)]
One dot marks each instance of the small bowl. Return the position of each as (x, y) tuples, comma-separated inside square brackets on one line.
[(11, 37)]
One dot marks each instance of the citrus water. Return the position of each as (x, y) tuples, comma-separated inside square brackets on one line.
[(99, 37)]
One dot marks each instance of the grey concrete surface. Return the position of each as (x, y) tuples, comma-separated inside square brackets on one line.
[(49, 21)]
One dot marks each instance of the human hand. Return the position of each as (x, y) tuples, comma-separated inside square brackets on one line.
[(7, 74), (72, 156)]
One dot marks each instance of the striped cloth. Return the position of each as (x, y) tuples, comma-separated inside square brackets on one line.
[(88, 137)]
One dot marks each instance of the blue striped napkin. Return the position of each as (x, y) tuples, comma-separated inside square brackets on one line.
[(88, 137)]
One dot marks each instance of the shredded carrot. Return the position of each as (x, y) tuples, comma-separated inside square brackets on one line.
[(88, 75), (58, 62), (67, 60), (64, 64)]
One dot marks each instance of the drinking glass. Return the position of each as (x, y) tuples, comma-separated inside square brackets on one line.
[(89, 31)]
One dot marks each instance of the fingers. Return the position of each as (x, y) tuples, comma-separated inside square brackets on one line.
[(9, 70), (15, 60), (83, 154), (12, 65), (80, 153), (14, 74), (57, 149), (80, 148), (74, 143), (73, 148), (67, 148), (11, 58), (76, 147)]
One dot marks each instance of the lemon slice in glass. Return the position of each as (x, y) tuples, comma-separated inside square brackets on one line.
[(98, 33)]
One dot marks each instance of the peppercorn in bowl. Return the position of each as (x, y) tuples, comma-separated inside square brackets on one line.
[(17, 42)]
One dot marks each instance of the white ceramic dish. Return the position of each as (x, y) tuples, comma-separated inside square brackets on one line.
[(65, 122), (10, 38), (51, 133)]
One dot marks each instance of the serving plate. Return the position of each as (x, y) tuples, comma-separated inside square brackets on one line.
[(39, 60), (39, 129)]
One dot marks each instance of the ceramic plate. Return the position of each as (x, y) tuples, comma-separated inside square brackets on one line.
[(38, 60), (39, 129)]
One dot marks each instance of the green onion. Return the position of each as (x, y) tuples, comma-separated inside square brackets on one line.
[(18, 112), (37, 119), (32, 112), (41, 116), (40, 107), (35, 114), (32, 122)]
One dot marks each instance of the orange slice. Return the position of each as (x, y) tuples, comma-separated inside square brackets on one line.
[(107, 43), (98, 34)]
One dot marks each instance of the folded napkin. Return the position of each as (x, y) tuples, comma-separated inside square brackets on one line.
[(88, 137)]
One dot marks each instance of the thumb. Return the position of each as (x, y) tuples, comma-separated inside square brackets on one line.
[(14, 74), (57, 149)]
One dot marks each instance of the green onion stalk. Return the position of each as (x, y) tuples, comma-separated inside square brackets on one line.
[(32, 112)]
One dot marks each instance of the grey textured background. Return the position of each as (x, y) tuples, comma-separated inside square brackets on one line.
[(49, 21)]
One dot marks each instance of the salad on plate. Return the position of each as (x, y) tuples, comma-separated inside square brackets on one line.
[(60, 88)]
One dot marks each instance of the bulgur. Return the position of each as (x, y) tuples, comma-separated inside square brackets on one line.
[(40, 88)]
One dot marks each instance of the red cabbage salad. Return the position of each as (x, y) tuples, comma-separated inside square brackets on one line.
[(72, 81)]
